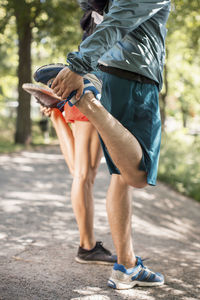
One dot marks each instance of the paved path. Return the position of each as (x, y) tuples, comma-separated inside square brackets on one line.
[(39, 237)]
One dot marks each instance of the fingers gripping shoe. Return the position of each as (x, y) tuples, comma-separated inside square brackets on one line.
[(48, 72), (92, 84), (44, 95), (47, 98), (122, 278)]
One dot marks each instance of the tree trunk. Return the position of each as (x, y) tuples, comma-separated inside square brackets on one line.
[(23, 123)]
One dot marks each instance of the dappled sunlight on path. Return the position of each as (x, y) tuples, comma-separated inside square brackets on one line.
[(39, 236)]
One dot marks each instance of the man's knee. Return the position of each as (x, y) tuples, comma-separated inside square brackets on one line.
[(137, 182), (140, 185)]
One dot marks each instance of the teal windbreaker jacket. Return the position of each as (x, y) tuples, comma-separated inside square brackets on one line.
[(131, 37)]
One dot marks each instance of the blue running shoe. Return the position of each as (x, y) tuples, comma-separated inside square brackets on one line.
[(122, 278), (48, 72), (91, 84)]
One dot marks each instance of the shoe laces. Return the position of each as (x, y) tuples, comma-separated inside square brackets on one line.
[(140, 262), (99, 244)]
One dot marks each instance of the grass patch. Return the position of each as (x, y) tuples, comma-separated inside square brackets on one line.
[(7, 132), (179, 163)]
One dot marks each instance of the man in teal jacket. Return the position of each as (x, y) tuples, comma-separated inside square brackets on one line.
[(129, 48)]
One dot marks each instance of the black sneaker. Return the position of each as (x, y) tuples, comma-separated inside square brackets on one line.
[(97, 255)]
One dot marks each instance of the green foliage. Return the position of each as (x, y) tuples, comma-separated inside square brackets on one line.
[(57, 26), (53, 28), (185, 18), (183, 61), (7, 129), (179, 163)]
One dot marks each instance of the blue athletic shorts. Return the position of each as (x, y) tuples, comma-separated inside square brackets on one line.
[(136, 106)]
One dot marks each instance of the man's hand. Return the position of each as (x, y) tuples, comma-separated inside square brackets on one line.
[(66, 82)]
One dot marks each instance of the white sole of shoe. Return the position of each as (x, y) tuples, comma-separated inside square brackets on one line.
[(96, 262), (116, 284)]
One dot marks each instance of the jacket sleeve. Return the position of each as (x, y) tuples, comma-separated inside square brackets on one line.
[(123, 17), (83, 4)]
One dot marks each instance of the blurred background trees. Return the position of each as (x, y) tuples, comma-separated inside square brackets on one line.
[(37, 32), (29, 29), (180, 95), (180, 100)]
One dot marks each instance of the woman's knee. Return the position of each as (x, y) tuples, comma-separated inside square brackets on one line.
[(85, 176)]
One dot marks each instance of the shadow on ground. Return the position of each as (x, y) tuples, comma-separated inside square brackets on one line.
[(39, 237)]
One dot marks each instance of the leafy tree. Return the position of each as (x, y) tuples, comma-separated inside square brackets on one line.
[(45, 30), (182, 76), (38, 20)]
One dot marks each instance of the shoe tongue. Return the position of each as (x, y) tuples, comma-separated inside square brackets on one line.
[(99, 245), (123, 269)]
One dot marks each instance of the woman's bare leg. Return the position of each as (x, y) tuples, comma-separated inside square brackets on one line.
[(87, 159), (81, 148), (65, 137)]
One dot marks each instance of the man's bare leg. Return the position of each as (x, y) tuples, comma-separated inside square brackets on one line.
[(119, 209), (123, 147)]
